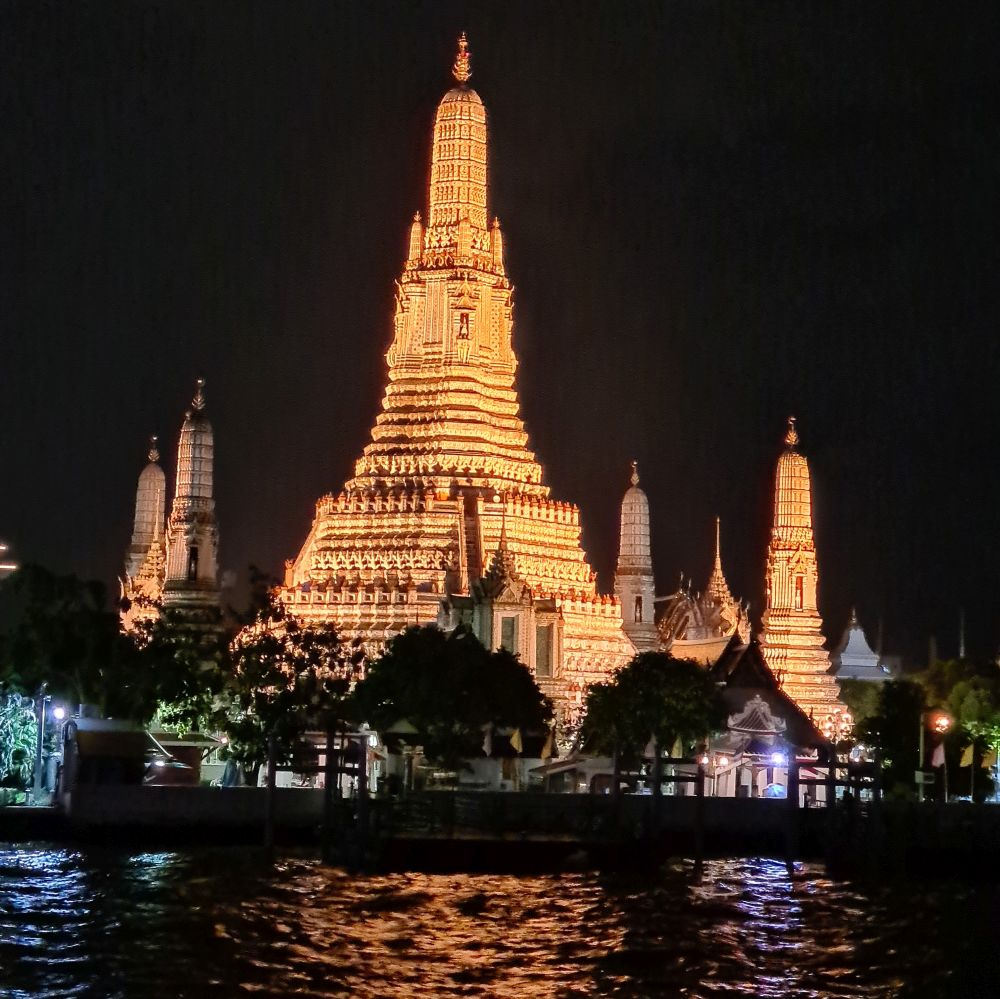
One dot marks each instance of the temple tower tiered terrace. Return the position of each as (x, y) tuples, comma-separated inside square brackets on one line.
[(448, 470), (792, 640)]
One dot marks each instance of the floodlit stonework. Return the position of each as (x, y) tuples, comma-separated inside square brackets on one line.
[(414, 537), (792, 640), (191, 582), (175, 564), (634, 583), (145, 560)]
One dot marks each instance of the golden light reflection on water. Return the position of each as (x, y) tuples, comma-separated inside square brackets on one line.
[(224, 922)]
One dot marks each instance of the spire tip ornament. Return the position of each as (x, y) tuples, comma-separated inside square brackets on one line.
[(635, 473), (198, 402), (154, 451), (792, 437), (461, 70)]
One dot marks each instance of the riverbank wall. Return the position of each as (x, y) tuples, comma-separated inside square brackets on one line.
[(444, 830)]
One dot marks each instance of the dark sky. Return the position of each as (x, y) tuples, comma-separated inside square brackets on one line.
[(715, 214)]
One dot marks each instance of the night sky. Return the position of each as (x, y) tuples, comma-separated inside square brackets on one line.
[(714, 214)]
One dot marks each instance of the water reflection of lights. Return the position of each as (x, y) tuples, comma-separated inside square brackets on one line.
[(225, 922)]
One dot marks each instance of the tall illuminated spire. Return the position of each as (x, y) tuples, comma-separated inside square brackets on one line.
[(634, 583), (447, 486), (793, 642), (142, 582), (718, 588), (458, 165), (150, 506), (450, 408), (192, 534)]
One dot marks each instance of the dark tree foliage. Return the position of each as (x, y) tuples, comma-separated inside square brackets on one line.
[(286, 680), (449, 687), (894, 730), (189, 669), (861, 698), (59, 630), (653, 696)]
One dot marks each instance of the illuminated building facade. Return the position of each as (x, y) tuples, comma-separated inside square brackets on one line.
[(792, 640), (175, 565), (448, 518)]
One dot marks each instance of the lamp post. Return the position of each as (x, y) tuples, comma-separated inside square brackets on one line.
[(40, 699), (942, 723)]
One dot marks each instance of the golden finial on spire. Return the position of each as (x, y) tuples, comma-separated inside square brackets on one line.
[(199, 397), (792, 437), (635, 473), (154, 451), (461, 70)]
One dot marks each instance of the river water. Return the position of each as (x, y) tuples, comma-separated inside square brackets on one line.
[(217, 922)]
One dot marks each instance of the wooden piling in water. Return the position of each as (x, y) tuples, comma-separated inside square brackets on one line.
[(272, 775), (792, 816), (329, 772)]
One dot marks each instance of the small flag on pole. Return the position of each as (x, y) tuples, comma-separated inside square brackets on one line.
[(989, 759), (937, 760), (488, 740), (515, 741), (967, 756)]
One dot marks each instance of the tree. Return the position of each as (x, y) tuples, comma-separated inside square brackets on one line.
[(969, 691), (976, 704), (449, 687), (654, 696), (60, 631), (861, 698), (894, 730), (188, 668), (18, 732), (287, 679)]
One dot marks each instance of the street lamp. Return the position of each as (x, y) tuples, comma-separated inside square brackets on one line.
[(40, 698), (941, 723)]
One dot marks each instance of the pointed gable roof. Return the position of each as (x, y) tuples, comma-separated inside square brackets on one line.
[(745, 675)]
